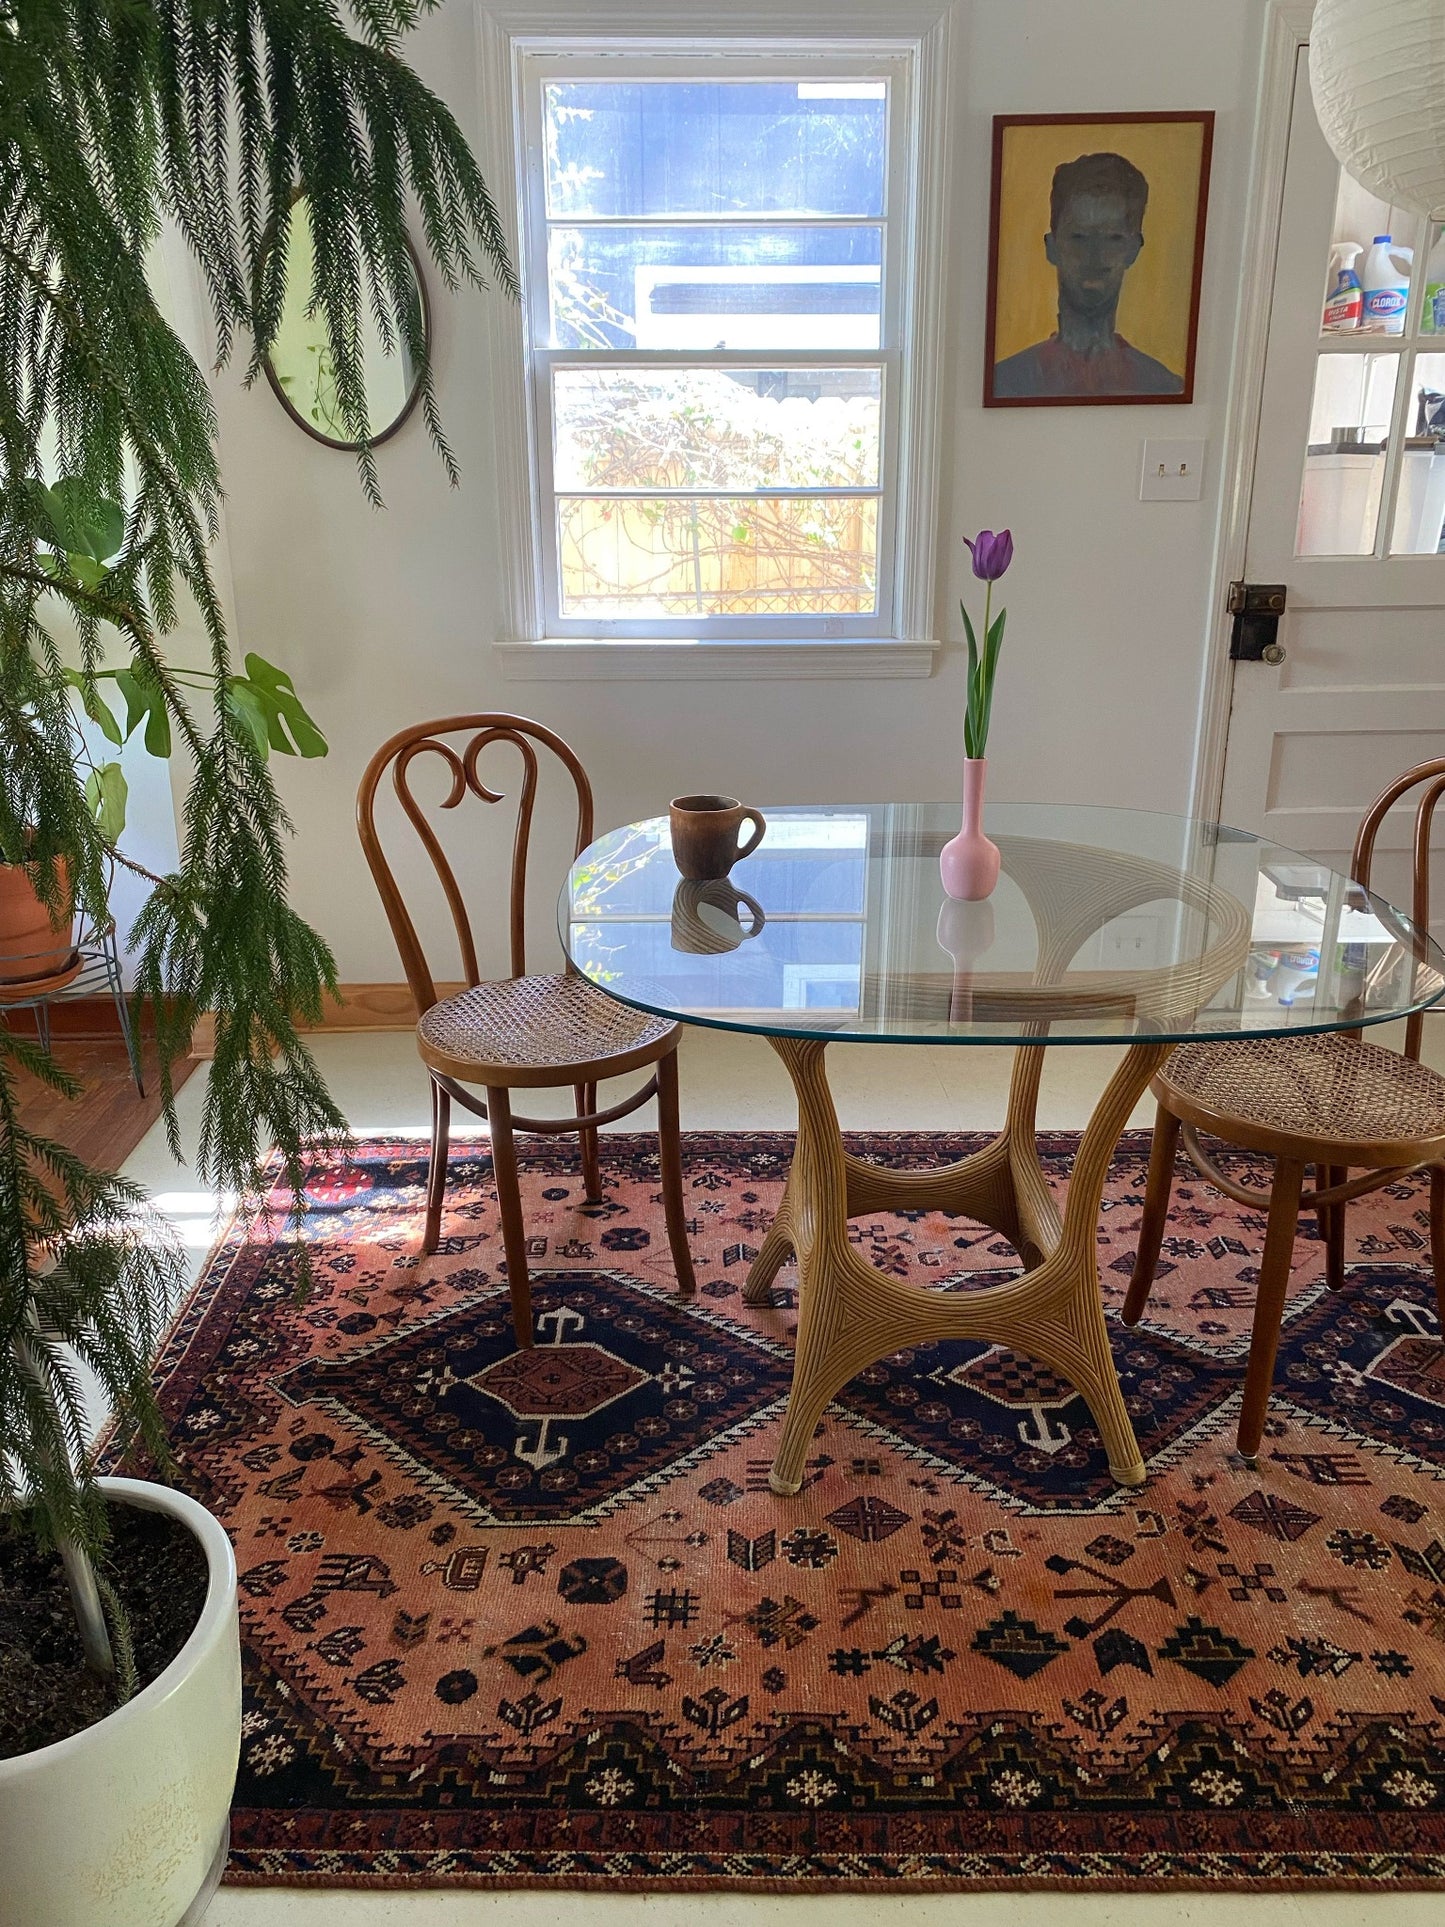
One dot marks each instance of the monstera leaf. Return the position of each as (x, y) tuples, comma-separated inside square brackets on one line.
[(145, 701), (269, 708), (106, 791), (88, 532), (98, 711)]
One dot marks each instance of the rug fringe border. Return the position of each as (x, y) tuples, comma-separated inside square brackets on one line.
[(946, 1884)]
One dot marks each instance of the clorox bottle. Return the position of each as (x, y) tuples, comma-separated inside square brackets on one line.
[(1387, 289)]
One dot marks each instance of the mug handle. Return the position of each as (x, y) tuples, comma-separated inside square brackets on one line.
[(752, 903), (760, 825)]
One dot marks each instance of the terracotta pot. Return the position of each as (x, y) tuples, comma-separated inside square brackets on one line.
[(33, 944), (126, 1823)]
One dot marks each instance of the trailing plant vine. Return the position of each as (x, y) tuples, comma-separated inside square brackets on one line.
[(117, 116)]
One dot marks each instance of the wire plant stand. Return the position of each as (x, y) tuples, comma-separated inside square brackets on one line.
[(91, 969)]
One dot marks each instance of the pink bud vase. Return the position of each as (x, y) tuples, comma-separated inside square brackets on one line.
[(968, 862)]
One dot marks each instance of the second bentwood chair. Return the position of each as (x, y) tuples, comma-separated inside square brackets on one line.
[(521, 1031), (1327, 1100)]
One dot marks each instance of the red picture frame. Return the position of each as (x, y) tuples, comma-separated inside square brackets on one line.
[(1127, 358)]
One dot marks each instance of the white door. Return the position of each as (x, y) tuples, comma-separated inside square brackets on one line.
[(1346, 512)]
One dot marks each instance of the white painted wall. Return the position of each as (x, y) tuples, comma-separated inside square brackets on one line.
[(386, 617)]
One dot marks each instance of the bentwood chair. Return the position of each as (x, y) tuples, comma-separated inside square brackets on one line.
[(1331, 1101), (521, 1031)]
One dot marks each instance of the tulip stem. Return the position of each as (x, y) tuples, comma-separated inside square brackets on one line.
[(976, 709)]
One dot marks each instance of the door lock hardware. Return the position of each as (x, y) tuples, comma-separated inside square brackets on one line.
[(1256, 608)]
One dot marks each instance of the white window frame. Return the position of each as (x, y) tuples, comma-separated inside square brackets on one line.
[(898, 638)]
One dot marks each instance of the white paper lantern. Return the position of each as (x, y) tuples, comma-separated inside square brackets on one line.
[(1377, 72)]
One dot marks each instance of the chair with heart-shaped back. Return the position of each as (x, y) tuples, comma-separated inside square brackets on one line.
[(521, 1031), (1329, 1100)]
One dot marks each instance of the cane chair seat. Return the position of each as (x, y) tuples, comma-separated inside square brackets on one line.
[(538, 1031), (1331, 1102), (1330, 1090)]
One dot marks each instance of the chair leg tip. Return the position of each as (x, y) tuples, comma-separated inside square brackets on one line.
[(785, 1488)]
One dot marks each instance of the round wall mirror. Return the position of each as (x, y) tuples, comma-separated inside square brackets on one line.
[(299, 365)]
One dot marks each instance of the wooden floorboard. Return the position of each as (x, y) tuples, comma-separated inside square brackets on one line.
[(110, 1117)]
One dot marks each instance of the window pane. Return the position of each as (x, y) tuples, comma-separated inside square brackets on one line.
[(706, 288), (1345, 461), (690, 428), (1360, 217), (717, 555), (1420, 506), (629, 147)]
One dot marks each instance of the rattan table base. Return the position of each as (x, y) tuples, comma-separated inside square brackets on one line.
[(850, 1314)]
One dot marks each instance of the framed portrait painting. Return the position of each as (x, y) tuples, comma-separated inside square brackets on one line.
[(1096, 249)]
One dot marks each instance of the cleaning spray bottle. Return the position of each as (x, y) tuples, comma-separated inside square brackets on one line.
[(1345, 302), (1386, 287)]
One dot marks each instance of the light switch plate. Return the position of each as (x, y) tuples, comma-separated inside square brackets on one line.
[(1172, 472)]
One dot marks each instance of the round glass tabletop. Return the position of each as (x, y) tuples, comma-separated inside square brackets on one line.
[(1106, 926)]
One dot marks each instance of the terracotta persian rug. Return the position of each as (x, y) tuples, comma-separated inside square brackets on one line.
[(534, 1617)]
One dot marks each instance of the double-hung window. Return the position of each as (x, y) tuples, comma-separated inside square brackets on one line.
[(719, 264)]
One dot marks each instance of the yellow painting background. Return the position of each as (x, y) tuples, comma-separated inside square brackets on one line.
[(1154, 306)]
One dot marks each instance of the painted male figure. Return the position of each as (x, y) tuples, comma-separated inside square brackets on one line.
[(1096, 229)]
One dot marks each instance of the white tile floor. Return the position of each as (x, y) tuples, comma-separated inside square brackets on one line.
[(729, 1083)]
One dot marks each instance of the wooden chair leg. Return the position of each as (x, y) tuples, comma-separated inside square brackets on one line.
[(669, 1157), (509, 1200), (1156, 1212), (436, 1175), (586, 1096), (1437, 1237), (1274, 1273), (1332, 1226)]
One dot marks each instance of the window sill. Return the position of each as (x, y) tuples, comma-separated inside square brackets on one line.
[(637, 660)]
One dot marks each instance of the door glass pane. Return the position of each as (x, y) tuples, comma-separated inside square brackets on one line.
[(702, 428), (1345, 461), (640, 147), (1420, 506), (717, 555), (1361, 219), (1432, 315), (707, 288)]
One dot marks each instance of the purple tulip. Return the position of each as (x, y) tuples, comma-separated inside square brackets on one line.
[(991, 553)]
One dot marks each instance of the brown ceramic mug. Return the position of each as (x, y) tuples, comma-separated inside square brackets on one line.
[(707, 916), (705, 835)]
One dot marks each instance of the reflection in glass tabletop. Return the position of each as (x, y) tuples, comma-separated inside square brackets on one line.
[(1106, 926)]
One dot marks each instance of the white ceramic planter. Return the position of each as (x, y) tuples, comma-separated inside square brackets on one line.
[(125, 1824)]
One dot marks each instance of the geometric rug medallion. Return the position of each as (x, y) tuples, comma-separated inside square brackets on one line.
[(517, 1618)]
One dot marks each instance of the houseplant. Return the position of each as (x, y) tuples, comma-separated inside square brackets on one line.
[(119, 115), (969, 862)]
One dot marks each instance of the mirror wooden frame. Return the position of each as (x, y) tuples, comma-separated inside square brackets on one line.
[(400, 420)]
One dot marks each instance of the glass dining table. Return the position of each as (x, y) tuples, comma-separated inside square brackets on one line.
[(1107, 927)]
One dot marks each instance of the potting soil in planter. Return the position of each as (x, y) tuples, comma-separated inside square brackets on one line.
[(46, 1694)]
